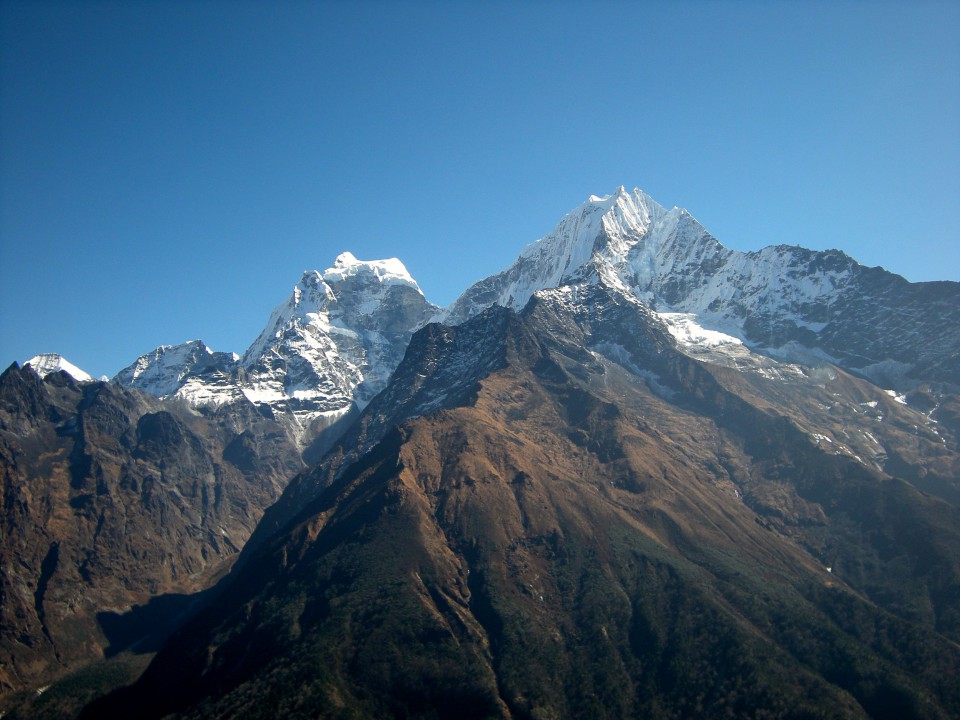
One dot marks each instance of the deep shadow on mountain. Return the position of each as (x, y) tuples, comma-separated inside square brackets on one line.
[(144, 627)]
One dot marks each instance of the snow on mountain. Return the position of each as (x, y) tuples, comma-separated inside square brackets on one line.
[(168, 369), (780, 299), (338, 337), (686, 331), (594, 239), (46, 363), (664, 258), (331, 345), (387, 272), (630, 242)]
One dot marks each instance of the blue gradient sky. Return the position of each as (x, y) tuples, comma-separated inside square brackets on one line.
[(168, 169)]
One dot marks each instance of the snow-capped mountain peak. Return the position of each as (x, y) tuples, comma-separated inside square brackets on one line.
[(337, 339), (331, 344), (775, 299), (164, 371), (46, 363), (629, 212), (611, 237), (620, 215), (350, 293)]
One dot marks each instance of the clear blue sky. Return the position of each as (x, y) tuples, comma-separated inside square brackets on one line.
[(168, 169)]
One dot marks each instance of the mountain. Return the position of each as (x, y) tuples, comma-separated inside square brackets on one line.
[(332, 346), (336, 341), (636, 474), (114, 508), (325, 351), (561, 513), (47, 363), (190, 370), (787, 301), (120, 505)]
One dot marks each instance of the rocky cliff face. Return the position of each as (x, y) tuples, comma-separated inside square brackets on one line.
[(111, 498)]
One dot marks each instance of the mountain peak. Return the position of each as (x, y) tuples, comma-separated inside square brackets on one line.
[(336, 340), (778, 299), (164, 371), (601, 238), (619, 192), (604, 228), (46, 363), (345, 259)]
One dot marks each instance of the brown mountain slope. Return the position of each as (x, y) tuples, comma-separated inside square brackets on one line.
[(110, 499), (569, 539)]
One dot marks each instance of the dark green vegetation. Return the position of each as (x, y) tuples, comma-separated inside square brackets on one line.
[(565, 537)]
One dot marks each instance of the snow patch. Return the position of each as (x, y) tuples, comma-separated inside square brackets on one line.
[(902, 399), (388, 272), (687, 331)]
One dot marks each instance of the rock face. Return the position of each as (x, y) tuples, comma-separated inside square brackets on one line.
[(324, 352), (790, 301), (564, 513), (111, 498)]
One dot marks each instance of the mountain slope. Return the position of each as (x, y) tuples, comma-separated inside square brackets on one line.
[(590, 524)]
